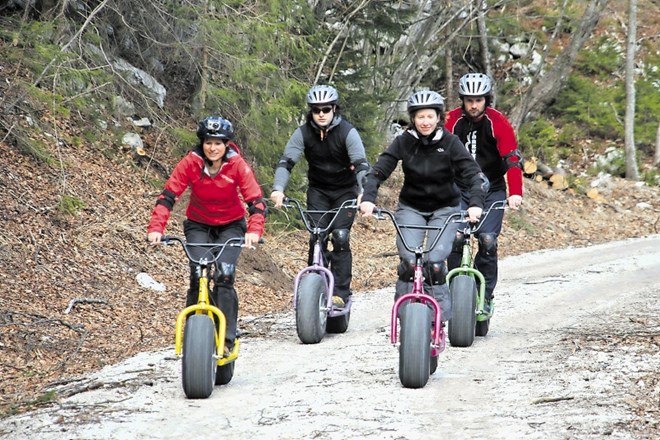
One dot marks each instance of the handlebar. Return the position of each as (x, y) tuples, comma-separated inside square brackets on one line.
[(213, 249), (472, 228), (378, 214), (459, 217), (305, 214)]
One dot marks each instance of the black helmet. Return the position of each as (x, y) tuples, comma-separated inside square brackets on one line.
[(215, 127), (474, 84), (322, 95), (425, 99)]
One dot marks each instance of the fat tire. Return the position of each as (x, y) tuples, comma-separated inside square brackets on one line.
[(434, 364), (198, 368), (481, 328), (338, 324), (311, 308), (224, 373), (463, 291), (415, 347)]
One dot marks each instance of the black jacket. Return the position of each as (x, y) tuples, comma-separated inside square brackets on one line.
[(430, 168)]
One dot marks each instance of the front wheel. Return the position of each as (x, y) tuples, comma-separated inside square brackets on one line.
[(311, 308), (415, 348), (463, 291), (198, 370)]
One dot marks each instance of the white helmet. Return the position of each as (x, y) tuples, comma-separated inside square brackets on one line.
[(322, 95), (425, 99), (474, 84)]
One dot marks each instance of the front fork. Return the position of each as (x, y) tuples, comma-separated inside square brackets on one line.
[(466, 268), (204, 307), (437, 330)]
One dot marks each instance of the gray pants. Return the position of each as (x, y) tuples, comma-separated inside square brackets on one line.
[(406, 215)]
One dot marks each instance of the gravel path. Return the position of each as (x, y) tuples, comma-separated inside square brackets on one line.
[(546, 370)]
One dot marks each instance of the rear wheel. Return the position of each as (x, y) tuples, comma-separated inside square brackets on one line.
[(415, 348), (482, 327), (311, 308), (463, 291), (224, 373), (434, 363), (338, 324), (198, 364)]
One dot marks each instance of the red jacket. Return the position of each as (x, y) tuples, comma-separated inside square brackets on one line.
[(213, 200), (489, 140)]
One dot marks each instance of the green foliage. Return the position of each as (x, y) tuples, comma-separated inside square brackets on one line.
[(605, 57), (32, 147), (569, 135), (651, 177), (185, 139), (647, 104), (597, 110), (539, 138), (612, 161), (516, 220), (46, 397), (69, 205)]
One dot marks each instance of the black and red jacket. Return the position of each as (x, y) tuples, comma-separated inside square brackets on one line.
[(214, 200), (492, 143)]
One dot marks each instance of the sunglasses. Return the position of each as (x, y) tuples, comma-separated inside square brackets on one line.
[(317, 110)]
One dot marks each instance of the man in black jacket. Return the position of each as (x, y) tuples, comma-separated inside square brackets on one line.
[(337, 163)]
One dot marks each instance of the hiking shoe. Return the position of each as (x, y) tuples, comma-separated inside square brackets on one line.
[(338, 301)]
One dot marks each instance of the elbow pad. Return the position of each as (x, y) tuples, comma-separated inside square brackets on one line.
[(167, 199), (360, 165), (258, 206), (285, 162), (513, 159), (484, 182)]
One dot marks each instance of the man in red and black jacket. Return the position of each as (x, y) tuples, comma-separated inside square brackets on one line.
[(489, 137)]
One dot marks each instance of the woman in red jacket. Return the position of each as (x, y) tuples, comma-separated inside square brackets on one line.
[(215, 172)]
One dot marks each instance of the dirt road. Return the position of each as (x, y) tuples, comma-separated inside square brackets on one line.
[(532, 377)]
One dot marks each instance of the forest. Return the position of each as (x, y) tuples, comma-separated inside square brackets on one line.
[(559, 70)]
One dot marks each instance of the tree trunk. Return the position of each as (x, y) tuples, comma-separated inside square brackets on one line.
[(656, 160), (629, 125), (484, 53), (544, 92), (204, 74), (450, 95), (440, 19)]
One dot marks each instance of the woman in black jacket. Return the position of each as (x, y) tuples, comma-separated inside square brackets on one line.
[(432, 159)]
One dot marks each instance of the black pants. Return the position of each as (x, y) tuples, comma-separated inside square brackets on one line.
[(340, 261), (486, 264), (222, 295)]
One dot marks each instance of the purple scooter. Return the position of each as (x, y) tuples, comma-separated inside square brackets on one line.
[(314, 285)]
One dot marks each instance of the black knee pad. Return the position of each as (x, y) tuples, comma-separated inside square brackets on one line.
[(406, 270), (437, 272), (459, 241), (224, 274), (488, 244), (341, 240)]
